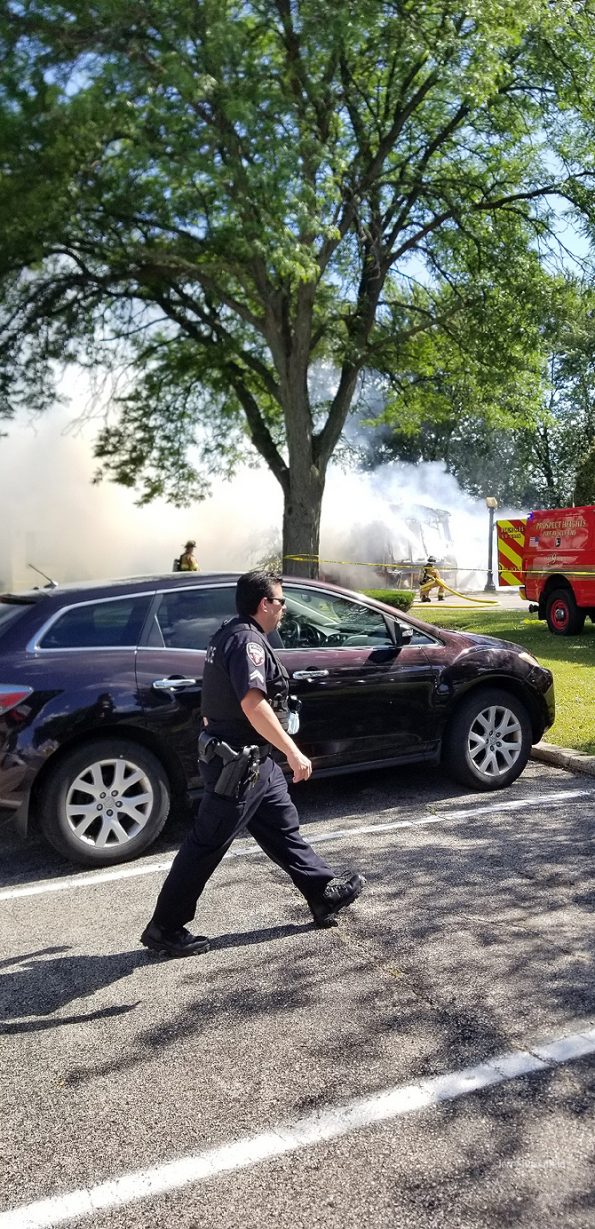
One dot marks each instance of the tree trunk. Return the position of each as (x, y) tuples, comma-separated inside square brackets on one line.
[(301, 522), (304, 474)]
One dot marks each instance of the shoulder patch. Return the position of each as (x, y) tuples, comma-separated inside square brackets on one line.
[(255, 652)]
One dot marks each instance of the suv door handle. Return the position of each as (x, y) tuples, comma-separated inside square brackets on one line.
[(310, 674), (173, 684)]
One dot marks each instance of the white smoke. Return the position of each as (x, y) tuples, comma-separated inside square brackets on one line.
[(397, 515), (53, 517)]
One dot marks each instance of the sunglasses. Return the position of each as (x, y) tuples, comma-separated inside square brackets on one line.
[(280, 600)]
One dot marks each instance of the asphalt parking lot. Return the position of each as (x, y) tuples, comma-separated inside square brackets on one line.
[(429, 1062)]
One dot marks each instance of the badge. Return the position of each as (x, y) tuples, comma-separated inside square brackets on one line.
[(255, 653)]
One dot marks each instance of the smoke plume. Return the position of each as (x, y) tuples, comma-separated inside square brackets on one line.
[(54, 518)]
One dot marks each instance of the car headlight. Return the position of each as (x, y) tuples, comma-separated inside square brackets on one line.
[(529, 657)]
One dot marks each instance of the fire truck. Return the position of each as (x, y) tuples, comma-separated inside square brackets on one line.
[(550, 555)]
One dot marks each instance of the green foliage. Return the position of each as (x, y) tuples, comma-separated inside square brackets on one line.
[(215, 197), (400, 598), (503, 422), (584, 491), (269, 561)]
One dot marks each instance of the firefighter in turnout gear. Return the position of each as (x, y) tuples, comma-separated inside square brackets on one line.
[(247, 713), (431, 579), (187, 561)]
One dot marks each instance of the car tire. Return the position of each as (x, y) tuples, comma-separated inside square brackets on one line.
[(488, 740), (105, 802), (562, 613)]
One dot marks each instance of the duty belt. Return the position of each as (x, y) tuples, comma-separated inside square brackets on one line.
[(240, 769), (223, 749)]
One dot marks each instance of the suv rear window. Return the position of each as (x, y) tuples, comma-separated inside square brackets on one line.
[(95, 625), (10, 611)]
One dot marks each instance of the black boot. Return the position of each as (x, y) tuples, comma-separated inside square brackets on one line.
[(173, 942), (337, 895)]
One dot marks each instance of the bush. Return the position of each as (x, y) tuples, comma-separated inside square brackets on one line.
[(401, 598)]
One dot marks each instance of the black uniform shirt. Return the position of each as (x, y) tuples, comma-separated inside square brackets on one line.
[(239, 658)]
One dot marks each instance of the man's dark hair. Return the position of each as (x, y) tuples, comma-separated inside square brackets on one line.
[(250, 590)]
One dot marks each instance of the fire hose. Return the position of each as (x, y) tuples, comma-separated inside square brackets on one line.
[(483, 601)]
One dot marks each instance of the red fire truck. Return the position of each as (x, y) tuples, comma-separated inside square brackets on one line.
[(550, 555)]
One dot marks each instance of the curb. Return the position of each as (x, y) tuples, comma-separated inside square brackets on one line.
[(564, 757)]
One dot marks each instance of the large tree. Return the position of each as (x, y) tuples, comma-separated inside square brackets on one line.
[(219, 195), (507, 419)]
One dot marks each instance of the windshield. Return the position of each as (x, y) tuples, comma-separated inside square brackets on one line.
[(313, 617)]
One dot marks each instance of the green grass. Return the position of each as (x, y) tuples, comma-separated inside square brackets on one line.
[(570, 658)]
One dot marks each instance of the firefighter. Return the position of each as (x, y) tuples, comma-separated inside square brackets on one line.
[(431, 579), (247, 712), (187, 561)]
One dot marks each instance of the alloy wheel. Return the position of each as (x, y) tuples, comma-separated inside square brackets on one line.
[(495, 741), (109, 803)]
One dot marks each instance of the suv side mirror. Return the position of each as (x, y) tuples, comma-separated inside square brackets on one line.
[(403, 634)]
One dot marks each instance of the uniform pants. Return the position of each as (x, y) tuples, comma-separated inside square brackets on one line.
[(268, 814)]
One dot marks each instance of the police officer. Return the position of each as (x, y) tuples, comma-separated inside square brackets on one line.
[(246, 713)]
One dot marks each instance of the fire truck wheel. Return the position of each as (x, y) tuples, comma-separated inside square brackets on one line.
[(562, 613), (488, 739)]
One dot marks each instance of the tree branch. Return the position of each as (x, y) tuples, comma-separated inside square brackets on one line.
[(259, 433)]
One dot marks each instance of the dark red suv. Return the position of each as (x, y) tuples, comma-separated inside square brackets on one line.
[(100, 689)]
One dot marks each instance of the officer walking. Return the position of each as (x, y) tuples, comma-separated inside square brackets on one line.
[(246, 713)]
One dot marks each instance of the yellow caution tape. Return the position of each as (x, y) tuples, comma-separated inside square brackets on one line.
[(416, 567), (508, 578), (358, 563), (350, 563)]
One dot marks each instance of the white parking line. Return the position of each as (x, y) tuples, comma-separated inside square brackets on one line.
[(90, 880), (316, 1128)]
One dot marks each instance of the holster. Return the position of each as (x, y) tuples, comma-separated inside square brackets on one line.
[(240, 769)]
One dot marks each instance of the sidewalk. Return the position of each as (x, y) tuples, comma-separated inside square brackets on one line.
[(506, 598)]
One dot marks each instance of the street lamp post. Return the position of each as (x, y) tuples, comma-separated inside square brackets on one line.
[(491, 505)]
